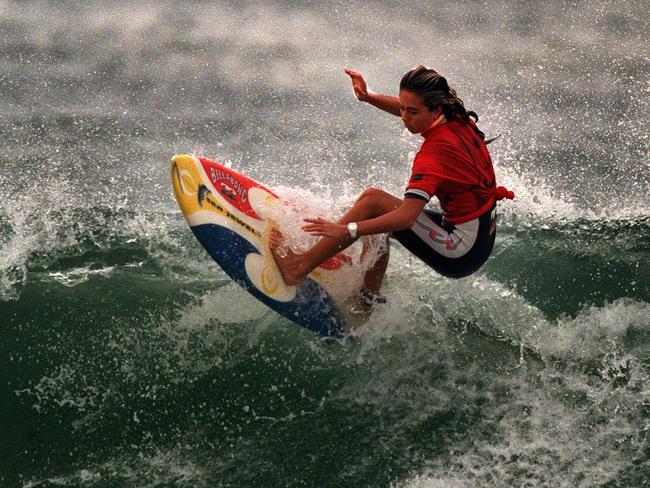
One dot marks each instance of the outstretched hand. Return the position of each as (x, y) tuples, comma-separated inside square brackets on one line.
[(358, 85), (325, 228)]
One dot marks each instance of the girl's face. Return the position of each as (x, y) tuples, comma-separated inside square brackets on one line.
[(416, 116)]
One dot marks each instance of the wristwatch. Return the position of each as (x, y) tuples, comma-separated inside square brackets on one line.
[(352, 229)]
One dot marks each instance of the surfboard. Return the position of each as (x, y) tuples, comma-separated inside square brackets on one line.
[(232, 217)]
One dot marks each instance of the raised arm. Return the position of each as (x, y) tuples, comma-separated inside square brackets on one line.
[(383, 102)]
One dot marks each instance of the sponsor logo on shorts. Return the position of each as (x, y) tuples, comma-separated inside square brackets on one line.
[(451, 241)]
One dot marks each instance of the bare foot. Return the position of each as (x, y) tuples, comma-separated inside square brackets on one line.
[(287, 260)]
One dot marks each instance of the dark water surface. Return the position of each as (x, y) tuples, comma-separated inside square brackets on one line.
[(127, 358)]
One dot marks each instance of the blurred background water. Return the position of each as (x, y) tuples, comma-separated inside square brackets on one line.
[(127, 358)]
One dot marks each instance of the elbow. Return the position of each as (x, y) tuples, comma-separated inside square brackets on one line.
[(409, 212), (410, 223), (408, 218)]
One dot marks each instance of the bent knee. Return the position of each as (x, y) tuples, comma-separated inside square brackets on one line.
[(376, 195), (372, 192), (378, 200)]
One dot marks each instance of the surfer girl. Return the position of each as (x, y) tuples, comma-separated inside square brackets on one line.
[(453, 164)]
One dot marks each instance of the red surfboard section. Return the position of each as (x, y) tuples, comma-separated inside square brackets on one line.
[(234, 186)]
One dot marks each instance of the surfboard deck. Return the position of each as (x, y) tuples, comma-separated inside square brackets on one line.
[(232, 217)]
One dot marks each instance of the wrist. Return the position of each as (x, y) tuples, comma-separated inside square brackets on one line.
[(353, 230)]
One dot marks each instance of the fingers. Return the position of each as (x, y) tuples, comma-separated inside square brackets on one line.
[(358, 84), (311, 229), (315, 229), (324, 228), (352, 74), (317, 222), (314, 225), (323, 233), (318, 227)]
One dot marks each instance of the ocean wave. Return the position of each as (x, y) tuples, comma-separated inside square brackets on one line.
[(470, 382), (540, 402), (130, 358), (58, 239), (64, 241)]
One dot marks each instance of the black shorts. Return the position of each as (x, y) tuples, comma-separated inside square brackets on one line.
[(453, 250)]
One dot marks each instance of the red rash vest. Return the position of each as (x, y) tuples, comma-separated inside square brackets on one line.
[(454, 164)]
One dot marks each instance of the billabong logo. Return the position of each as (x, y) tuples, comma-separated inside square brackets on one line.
[(220, 176), (228, 192)]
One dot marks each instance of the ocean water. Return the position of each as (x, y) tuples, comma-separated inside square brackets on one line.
[(128, 358)]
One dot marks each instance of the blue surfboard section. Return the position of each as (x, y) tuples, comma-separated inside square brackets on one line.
[(312, 307)]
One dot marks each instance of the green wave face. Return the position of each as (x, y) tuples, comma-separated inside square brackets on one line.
[(121, 335)]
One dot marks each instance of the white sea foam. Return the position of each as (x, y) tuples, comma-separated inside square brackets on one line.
[(555, 427), (144, 469), (598, 326), (32, 229), (230, 304), (76, 276), (47, 223)]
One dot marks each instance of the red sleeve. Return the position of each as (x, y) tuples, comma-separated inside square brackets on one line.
[(425, 177)]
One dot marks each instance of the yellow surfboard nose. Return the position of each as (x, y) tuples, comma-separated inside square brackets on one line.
[(186, 181), (183, 159)]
